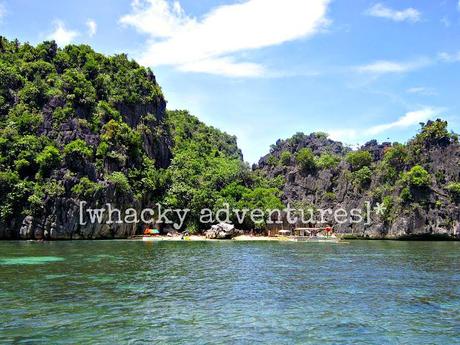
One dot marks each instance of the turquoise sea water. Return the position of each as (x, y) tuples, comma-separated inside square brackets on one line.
[(126, 292)]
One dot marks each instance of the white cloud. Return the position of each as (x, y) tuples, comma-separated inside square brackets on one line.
[(409, 14), (92, 27), (384, 66), (61, 34), (447, 57), (158, 18), (446, 22), (407, 120), (381, 67), (2, 11), (420, 90), (209, 44), (224, 66), (343, 135)]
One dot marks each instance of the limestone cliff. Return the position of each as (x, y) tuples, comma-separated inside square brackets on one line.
[(76, 125), (417, 183)]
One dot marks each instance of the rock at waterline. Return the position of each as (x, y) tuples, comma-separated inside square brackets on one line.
[(222, 231)]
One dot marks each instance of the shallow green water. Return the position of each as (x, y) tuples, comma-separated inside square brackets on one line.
[(121, 292)]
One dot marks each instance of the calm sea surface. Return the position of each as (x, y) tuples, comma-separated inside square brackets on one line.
[(126, 292)]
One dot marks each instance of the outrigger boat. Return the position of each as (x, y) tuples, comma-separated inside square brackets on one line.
[(311, 235)]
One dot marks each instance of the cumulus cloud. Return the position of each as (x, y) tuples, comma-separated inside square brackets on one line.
[(409, 14), (407, 120), (61, 34), (91, 25), (210, 44), (158, 18), (385, 66)]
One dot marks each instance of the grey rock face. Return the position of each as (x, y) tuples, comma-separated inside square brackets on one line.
[(222, 231), (59, 217), (432, 212), (26, 232), (317, 143)]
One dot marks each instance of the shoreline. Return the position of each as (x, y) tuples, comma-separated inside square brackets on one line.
[(249, 238), (201, 238)]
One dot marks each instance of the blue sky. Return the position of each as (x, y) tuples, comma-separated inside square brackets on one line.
[(266, 69)]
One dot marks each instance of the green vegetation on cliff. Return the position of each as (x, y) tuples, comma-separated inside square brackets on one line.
[(418, 183), (207, 171), (78, 125), (62, 122)]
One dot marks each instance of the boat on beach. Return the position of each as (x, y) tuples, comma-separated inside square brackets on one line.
[(331, 239), (310, 235)]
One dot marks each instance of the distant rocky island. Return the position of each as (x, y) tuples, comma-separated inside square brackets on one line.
[(76, 125), (417, 183)]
